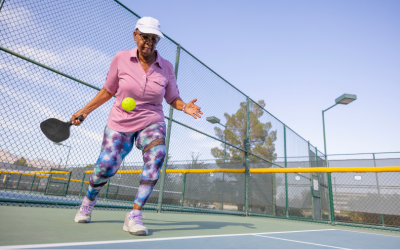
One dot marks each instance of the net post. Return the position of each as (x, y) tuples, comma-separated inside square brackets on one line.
[(286, 179), (247, 149), (167, 139), (183, 189), (83, 182), (19, 180)]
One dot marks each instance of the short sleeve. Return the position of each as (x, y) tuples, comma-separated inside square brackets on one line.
[(112, 79), (171, 90)]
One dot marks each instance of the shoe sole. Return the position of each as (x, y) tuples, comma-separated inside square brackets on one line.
[(82, 221), (138, 233)]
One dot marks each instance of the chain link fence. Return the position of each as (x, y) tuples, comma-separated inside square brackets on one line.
[(54, 57)]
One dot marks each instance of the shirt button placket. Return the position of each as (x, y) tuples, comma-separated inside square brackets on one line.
[(144, 83)]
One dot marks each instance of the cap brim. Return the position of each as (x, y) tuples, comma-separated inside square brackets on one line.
[(151, 31)]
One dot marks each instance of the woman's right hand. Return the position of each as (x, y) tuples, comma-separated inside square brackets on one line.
[(75, 116)]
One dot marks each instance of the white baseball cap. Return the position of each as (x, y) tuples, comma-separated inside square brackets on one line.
[(149, 25)]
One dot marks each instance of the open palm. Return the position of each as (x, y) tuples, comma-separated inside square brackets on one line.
[(192, 109)]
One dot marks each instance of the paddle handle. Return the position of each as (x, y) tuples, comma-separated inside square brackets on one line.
[(80, 118)]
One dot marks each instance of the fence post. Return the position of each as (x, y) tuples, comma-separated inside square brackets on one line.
[(167, 139), (116, 195), (311, 182), (83, 182), (246, 160), (319, 182), (37, 186), (48, 181), (273, 195), (286, 179), (377, 185), (376, 176), (108, 186), (331, 206), (69, 180), (2, 3), (34, 176), (183, 189), (7, 179), (19, 180)]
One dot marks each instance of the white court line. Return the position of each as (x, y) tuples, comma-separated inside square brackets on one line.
[(301, 242), (367, 233), (143, 240)]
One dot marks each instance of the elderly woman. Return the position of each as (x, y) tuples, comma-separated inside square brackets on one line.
[(142, 74)]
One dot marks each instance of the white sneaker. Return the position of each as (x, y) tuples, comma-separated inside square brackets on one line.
[(133, 223), (85, 212)]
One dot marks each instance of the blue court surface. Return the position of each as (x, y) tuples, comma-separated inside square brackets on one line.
[(308, 239)]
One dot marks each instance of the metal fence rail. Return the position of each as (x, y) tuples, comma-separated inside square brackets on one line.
[(54, 57)]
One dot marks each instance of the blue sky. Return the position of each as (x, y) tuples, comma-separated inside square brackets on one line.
[(299, 56)]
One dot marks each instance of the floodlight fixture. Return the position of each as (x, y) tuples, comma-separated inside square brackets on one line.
[(345, 99), (213, 119)]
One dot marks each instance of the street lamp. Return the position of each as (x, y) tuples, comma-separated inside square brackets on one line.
[(213, 120), (69, 150), (343, 99)]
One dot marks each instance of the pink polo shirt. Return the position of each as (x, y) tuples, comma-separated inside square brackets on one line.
[(127, 78)]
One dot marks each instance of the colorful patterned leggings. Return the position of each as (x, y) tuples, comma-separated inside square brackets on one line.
[(116, 146)]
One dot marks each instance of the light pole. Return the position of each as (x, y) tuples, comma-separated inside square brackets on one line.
[(69, 150), (343, 99), (213, 120)]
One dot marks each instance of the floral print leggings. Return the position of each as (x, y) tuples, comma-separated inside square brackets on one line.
[(116, 145)]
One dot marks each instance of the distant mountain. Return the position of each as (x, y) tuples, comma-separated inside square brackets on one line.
[(7, 157)]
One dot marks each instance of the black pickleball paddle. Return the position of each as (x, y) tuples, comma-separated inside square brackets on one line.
[(56, 130)]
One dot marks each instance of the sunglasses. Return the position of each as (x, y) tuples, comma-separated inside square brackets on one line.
[(148, 39)]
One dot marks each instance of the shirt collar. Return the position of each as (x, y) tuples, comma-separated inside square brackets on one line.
[(158, 60)]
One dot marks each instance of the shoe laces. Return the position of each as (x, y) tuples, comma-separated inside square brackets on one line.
[(86, 208), (136, 218)]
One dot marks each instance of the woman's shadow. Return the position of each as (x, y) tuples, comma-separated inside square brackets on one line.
[(195, 225), (184, 225)]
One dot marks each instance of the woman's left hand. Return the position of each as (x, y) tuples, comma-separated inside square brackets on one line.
[(192, 109)]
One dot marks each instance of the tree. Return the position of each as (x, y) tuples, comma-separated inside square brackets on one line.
[(261, 135), (196, 163), (21, 161)]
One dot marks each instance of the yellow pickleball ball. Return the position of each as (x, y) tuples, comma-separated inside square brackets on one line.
[(128, 104)]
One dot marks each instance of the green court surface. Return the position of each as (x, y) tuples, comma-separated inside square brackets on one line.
[(34, 225)]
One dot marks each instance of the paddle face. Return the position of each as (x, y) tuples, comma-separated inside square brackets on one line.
[(56, 130)]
